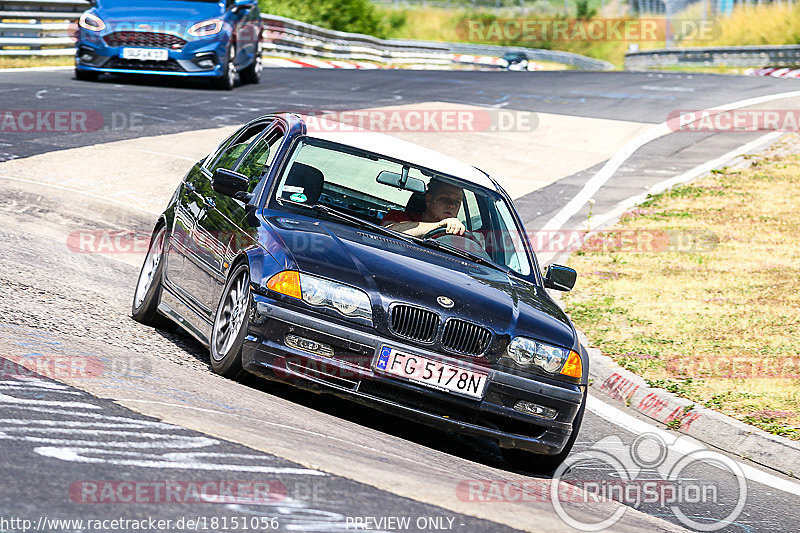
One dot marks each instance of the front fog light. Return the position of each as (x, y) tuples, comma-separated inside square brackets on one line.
[(308, 345), (205, 63), (535, 409)]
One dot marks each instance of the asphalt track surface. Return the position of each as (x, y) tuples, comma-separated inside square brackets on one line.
[(52, 298)]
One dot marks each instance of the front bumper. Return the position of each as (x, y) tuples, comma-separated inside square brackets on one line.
[(348, 373), (94, 55)]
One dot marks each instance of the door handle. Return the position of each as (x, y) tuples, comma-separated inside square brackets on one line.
[(190, 187)]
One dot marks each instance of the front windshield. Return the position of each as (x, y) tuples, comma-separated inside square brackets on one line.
[(322, 172)]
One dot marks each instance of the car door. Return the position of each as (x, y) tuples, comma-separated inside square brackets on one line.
[(240, 17), (188, 209), (207, 241), (230, 213)]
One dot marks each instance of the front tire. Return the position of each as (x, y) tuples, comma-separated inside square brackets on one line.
[(149, 286), (228, 78), (252, 74), (86, 75), (230, 324), (544, 464)]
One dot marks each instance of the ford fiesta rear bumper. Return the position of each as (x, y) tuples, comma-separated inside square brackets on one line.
[(347, 372)]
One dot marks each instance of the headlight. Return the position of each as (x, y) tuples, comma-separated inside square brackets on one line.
[(526, 352), (321, 292), (91, 22), (207, 27)]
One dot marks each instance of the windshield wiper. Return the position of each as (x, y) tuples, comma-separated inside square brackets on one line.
[(341, 215), (433, 243)]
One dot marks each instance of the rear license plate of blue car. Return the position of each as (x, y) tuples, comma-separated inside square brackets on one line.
[(432, 373)]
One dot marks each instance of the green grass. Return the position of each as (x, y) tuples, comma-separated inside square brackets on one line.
[(717, 323), (25, 62)]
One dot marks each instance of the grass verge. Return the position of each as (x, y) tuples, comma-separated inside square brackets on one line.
[(709, 305), (25, 62)]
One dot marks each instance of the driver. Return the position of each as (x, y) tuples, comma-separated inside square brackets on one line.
[(442, 204)]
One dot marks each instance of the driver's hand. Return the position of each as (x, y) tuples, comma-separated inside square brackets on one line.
[(453, 226)]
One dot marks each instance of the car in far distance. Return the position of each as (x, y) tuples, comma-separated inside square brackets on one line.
[(217, 40), (281, 252), (515, 61)]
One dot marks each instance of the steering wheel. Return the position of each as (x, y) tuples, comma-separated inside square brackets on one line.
[(437, 233)]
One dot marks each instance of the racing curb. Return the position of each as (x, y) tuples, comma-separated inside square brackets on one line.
[(680, 414)]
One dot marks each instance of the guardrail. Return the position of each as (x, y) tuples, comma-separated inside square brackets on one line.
[(42, 27), (729, 56)]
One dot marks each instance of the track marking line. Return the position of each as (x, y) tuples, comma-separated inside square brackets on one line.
[(608, 170), (683, 445), (34, 69), (689, 175)]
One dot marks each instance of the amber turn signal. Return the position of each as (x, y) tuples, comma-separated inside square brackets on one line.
[(286, 282), (573, 367)]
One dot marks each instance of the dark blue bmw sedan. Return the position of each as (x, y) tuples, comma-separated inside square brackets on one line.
[(211, 39), (348, 262)]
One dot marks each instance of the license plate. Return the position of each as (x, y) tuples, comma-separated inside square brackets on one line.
[(432, 373), (145, 54)]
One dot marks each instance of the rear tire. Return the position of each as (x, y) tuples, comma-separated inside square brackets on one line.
[(230, 324), (545, 464), (228, 78), (149, 286), (86, 75)]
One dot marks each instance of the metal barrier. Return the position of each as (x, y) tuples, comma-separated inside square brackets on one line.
[(729, 56), (42, 27)]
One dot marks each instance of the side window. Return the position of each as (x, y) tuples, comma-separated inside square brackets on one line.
[(235, 147), (510, 240), (256, 162), (471, 213)]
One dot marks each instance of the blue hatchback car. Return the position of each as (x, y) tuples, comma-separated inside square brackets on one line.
[(193, 38)]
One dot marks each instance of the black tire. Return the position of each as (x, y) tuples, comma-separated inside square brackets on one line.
[(227, 81), (545, 464), (86, 75), (252, 73), (144, 308), (230, 324)]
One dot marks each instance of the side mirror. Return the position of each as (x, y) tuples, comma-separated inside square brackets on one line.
[(560, 278), (230, 183)]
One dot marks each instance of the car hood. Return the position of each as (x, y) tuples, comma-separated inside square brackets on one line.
[(157, 11), (391, 270)]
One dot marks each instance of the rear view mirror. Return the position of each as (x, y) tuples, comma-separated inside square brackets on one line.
[(230, 183), (560, 278), (397, 180)]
